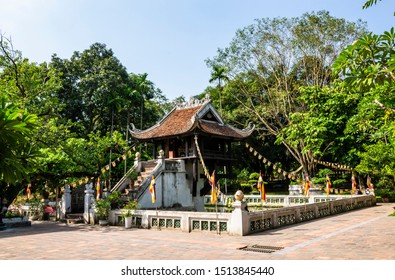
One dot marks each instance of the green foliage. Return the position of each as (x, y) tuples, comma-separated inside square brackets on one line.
[(265, 78), (133, 175), (367, 71), (387, 193), (17, 127), (36, 206), (369, 3), (102, 208), (243, 176), (338, 182), (115, 199), (129, 208), (253, 181), (10, 214)]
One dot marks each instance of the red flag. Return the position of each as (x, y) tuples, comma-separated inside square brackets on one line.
[(307, 185), (152, 189), (98, 189), (353, 184), (213, 188), (369, 183), (328, 184), (261, 187)]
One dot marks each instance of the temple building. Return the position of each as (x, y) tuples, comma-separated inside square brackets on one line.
[(191, 136)]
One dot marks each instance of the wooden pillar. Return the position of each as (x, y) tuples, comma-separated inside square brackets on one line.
[(155, 148), (195, 177), (186, 147), (195, 168)]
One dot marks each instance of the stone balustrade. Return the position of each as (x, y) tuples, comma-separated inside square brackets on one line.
[(242, 222)]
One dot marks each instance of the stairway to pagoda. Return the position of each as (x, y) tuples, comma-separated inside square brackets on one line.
[(147, 168)]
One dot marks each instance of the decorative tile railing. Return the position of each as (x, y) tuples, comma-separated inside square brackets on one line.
[(166, 223)]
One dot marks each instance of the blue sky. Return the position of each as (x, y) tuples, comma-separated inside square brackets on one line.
[(169, 39)]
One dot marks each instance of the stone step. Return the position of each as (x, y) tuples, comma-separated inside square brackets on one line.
[(77, 218), (150, 164)]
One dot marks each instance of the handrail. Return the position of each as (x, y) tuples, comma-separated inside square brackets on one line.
[(123, 179), (145, 184)]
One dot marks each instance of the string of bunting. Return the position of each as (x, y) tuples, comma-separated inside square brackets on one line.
[(290, 175), (107, 167), (201, 159), (334, 165), (121, 158)]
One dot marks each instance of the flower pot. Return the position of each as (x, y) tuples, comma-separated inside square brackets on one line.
[(103, 222), (128, 222)]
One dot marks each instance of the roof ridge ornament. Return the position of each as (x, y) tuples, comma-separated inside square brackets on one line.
[(193, 102)]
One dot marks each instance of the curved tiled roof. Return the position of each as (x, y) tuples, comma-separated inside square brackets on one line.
[(181, 121), (224, 130)]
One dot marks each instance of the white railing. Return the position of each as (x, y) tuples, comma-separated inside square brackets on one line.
[(251, 222), (273, 200), (177, 220), (121, 182)]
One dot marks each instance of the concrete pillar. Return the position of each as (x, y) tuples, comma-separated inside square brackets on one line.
[(137, 162), (239, 221), (89, 199), (66, 202), (162, 159)]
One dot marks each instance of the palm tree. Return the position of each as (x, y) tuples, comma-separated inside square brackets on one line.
[(219, 74)]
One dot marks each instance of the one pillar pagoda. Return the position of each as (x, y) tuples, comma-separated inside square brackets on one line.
[(196, 122)]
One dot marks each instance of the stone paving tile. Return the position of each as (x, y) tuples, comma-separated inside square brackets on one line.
[(357, 235)]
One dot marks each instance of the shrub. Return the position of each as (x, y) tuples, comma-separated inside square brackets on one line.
[(102, 208)]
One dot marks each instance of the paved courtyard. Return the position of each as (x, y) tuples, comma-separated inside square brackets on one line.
[(365, 234)]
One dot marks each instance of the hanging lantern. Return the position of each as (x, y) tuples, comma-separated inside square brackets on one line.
[(123, 157), (260, 157)]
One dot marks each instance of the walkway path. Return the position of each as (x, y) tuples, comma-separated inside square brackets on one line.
[(365, 234)]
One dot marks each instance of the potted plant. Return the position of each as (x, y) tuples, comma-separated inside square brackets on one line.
[(35, 208), (127, 212), (102, 209)]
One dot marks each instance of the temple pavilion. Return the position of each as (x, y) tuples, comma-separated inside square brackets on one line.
[(193, 135)]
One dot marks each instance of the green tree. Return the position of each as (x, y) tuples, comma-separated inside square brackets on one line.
[(94, 87), (270, 60), (218, 74), (367, 71), (16, 131), (150, 100), (16, 148)]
